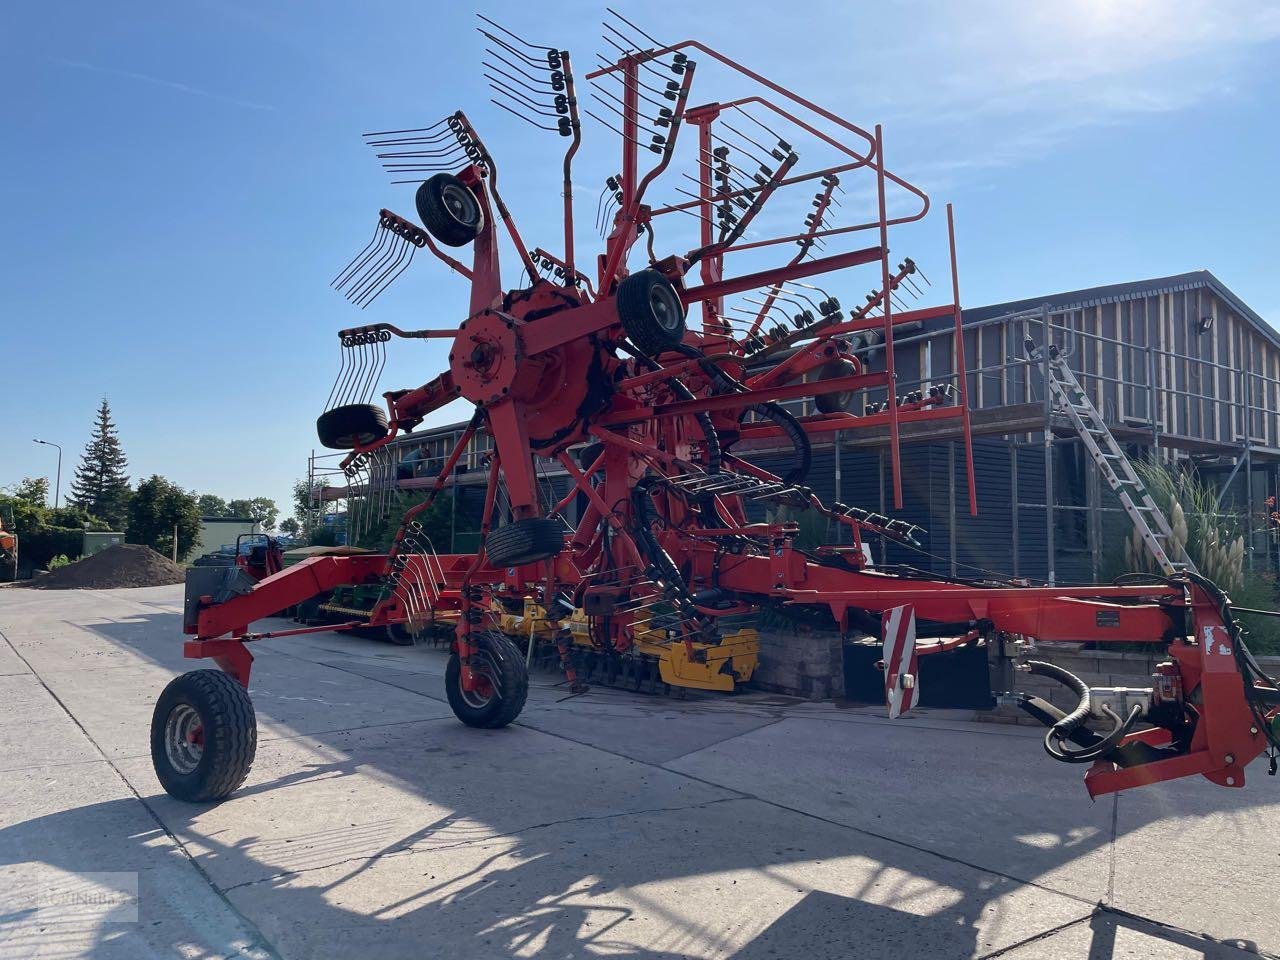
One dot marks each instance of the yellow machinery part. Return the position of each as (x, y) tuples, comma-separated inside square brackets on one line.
[(704, 670)]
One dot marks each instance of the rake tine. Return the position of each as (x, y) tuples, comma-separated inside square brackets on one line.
[(638, 30), (540, 87), (407, 141), (388, 281), (421, 154), (374, 277), (514, 36), (531, 61), (358, 269), (601, 99), (355, 291), (387, 133), (337, 281)]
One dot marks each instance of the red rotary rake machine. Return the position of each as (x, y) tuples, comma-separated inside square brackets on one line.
[(600, 370)]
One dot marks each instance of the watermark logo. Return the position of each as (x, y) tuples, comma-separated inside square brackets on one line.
[(88, 897)]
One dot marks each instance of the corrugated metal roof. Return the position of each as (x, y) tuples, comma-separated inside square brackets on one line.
[(1135, 290)]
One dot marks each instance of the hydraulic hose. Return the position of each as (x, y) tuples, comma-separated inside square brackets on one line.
[(790, 427), (1057, 735), (1062, 729), (770, 411)]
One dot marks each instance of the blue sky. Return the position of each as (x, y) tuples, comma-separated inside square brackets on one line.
[(182, 181)]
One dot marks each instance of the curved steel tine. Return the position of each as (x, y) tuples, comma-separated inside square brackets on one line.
[(389, 276), (615, 109), (771, 306), (648, 36), (759, 123), (600, 204), (514, 36), (549, 89), (378, 281), (744, 151), (620, 78), (357, 372), (357, 268), (528, 120), (442, 164), (808, 286), (425, 154), (792, 299), (387, 133), (353, 294), (531, 61), (608, 208), (516, 95), (642, 57), (436, 138), (605, 63), (687, 212), (606, 123), (725, 160), (342, 366), (377, 232), (755, 143), (617, 99)]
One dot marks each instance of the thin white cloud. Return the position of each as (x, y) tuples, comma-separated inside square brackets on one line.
[(1002, 82), (161, 82)]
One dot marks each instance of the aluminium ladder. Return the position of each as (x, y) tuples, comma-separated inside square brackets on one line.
[(1148, 519)]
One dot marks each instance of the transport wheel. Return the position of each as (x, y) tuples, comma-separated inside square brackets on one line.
[(524, 541), (351, 425), (449, 210), (203, 736), (841, 400), (651, 312), (502, 683)]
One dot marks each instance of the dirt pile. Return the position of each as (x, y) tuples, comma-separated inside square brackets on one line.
[(123, 565)]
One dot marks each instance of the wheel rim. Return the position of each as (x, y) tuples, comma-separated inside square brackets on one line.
[(665, 307), (184, 738), (486, 686), (460, 204)]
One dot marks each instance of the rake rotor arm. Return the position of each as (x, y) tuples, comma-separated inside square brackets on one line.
[(570, 267), (625, 234), (761, 198), (491, 167)]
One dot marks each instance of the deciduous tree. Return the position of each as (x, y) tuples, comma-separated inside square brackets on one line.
[(154, 510)]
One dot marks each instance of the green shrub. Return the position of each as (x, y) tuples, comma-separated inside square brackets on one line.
[(41, 546), (59, 561)]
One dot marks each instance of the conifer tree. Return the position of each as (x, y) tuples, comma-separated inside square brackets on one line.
[(101, 485)]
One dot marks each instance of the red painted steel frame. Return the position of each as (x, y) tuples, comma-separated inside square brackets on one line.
[(524, 359)]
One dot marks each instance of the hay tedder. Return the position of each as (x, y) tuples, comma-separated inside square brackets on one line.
[(682, 541)]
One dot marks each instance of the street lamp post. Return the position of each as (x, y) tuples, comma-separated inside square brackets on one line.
[(57, 486)]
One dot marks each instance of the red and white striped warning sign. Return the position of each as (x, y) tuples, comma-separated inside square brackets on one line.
[(898, 626)]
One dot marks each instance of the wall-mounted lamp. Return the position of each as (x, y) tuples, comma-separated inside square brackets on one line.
[(1205, 324)]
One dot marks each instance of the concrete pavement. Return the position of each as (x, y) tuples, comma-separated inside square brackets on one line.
[(615, 824)]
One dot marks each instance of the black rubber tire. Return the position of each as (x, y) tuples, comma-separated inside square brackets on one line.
[(449, 210), (524, 541), (400, 635), (840, 401), (505, 662), (351, 425), (651, 312), (230, 735)]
